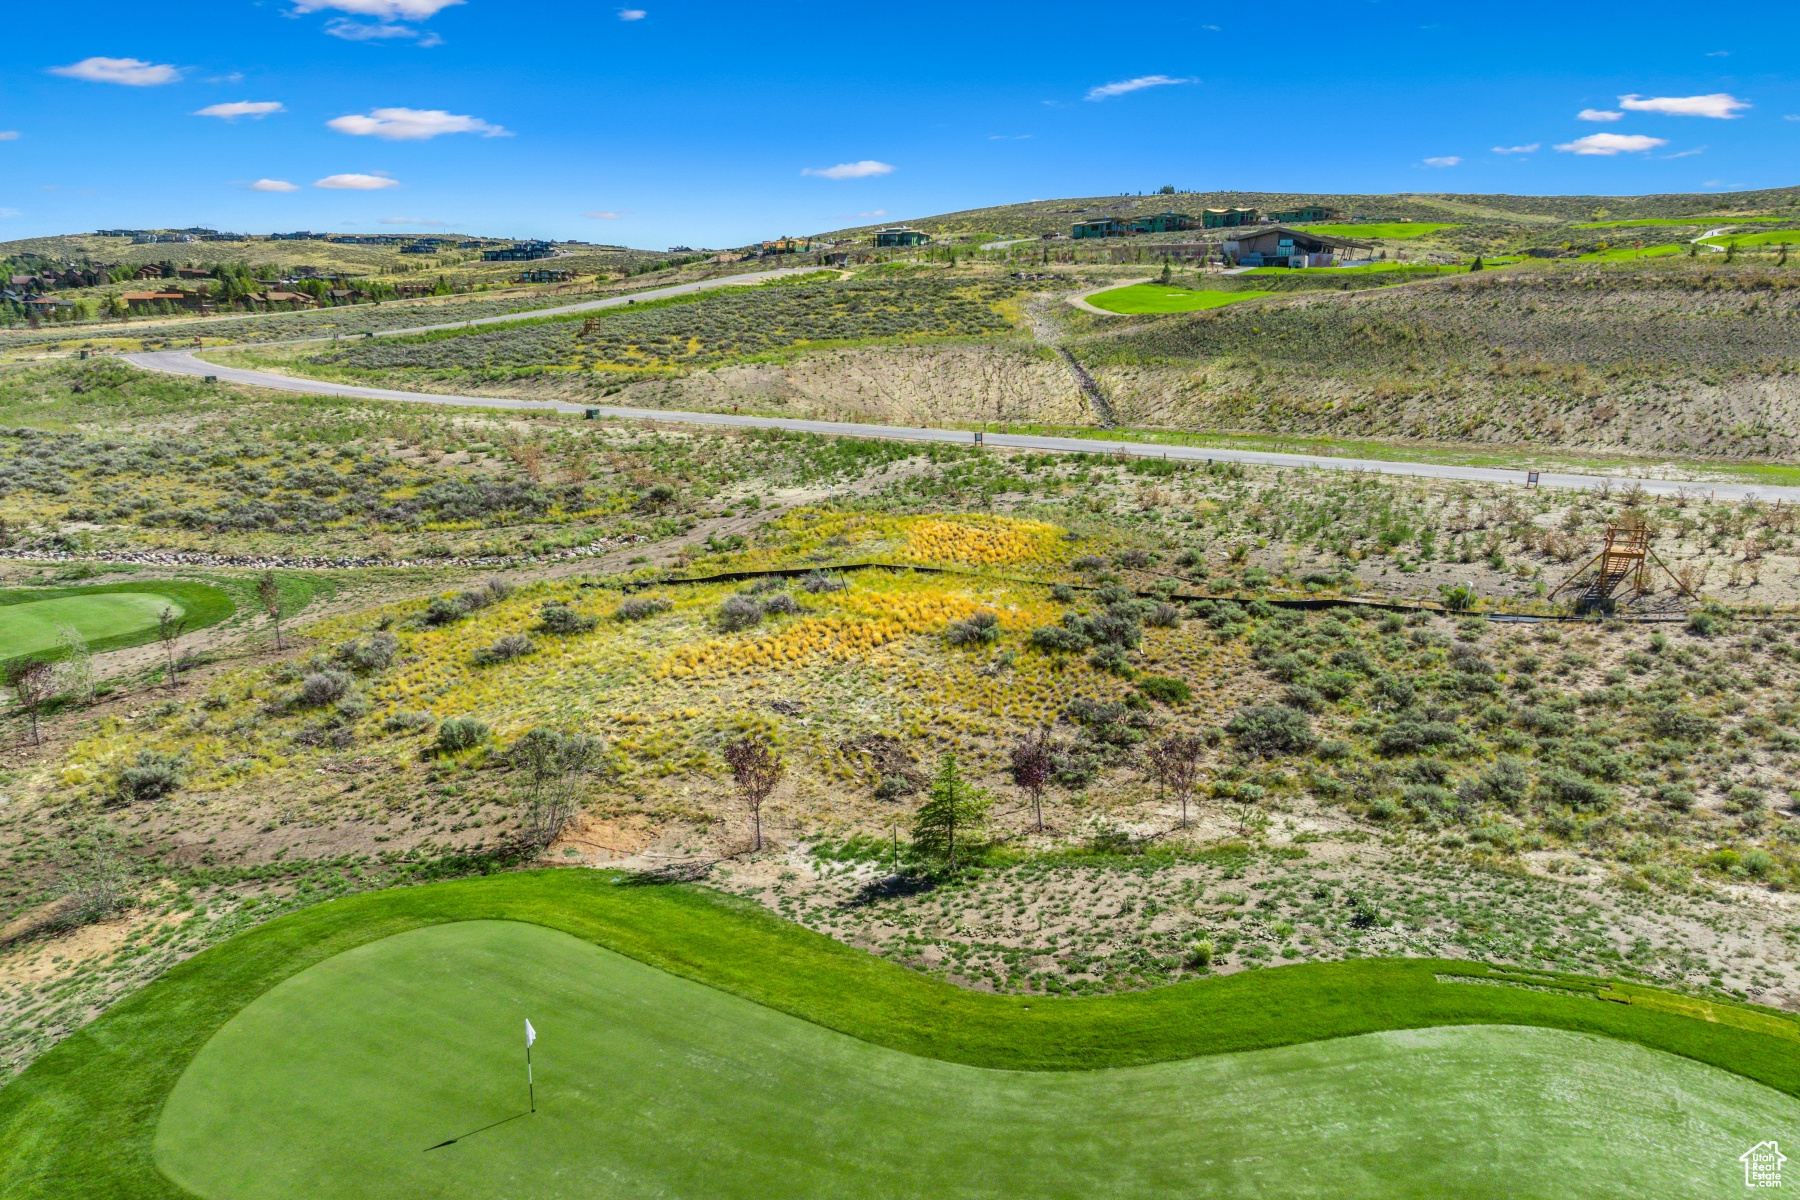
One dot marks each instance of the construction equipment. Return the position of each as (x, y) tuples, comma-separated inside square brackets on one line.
[(1626, 555)]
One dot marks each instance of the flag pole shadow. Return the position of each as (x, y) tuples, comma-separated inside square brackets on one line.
[(459, 1137)]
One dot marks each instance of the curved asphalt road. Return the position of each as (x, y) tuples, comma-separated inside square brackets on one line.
[(183, 362)]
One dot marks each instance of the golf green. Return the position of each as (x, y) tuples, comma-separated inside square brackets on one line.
[(1159, 298), (339, 1081), (108, 616), (30, 628)]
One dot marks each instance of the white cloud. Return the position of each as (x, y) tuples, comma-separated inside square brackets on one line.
[(1792, 117), (133, 72), (1721, 106), (1609, 144), (362, 31), (1718, 54), (1134, 85), (1444, 160), (273, 185), (1516, 149), (604, 216), (880, 212), (1687, 153), (9, 135), (10, 212), (412, 221), (356, 183), (856, 170), (412, 124), (242, 108), (1598, 114), (632, 14), (234, 77), (385, 10)]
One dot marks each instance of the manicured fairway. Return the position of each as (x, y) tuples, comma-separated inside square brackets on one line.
[(1156, 298), (840, 1061), (107, 616), (335, 1083)]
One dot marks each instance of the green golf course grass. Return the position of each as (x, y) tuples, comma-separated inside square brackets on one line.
[(1768, 237), (694, 1044), (109, 616), (336, 1082), (1159, 298)]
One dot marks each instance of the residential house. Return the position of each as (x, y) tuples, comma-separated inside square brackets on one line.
[(1164, 222), (1279, 246), (545, 276), (148, 271), (900, 235), (1104, 227), (1227, 218), (192, 273), (520, 252), (1306, 212)]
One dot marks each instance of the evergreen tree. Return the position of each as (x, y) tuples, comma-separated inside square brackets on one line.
[(948, 826)]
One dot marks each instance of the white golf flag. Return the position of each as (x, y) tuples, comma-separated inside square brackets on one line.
[(530, 1033)]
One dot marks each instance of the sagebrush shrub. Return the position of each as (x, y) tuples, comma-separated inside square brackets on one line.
[(460, 733)]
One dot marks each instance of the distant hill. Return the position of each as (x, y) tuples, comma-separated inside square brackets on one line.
[(1037, 217)]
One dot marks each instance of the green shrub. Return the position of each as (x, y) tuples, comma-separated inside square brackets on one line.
[(460, 733), (151, 777), (407, 722), (739, 613), (558, 618), (1674, 796), (1576, 791), (1268, 730), (319, 688), (513, 645), (982, 629), (1058, 639), (1165, 688)]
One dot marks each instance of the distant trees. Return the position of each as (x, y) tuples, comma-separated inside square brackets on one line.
[(756, 769)]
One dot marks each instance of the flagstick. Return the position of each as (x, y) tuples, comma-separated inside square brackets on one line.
[(530, 1084)]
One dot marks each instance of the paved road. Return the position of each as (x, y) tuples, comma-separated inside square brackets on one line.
[(183, 362)]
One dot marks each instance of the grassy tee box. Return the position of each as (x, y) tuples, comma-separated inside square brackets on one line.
[(81, 1120)]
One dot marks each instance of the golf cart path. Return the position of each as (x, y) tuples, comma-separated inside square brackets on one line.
[(183, 362)]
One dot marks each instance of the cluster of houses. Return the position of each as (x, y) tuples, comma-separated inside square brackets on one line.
[(146, 237), (520, 252), (1209, 218)]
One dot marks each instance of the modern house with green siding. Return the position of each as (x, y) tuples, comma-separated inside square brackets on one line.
[(1306, 212), (1105, 227), (901, 236), (1227, 218)]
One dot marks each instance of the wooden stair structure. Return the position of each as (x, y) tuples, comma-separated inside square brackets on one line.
[(1626, 555)]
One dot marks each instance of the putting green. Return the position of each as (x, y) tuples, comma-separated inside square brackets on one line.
[(108, 616), (31, 628), (1159, 298), (335, 1083)]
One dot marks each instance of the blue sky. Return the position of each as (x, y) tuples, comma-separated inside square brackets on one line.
[(703, 123)]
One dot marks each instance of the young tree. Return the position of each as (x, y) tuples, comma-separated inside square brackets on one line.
[(1031, 766), (555, 766), (756, 769), (270, 594), (168, 632), (951, 819), (33, 681), (1176, 763), (76, 667)]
